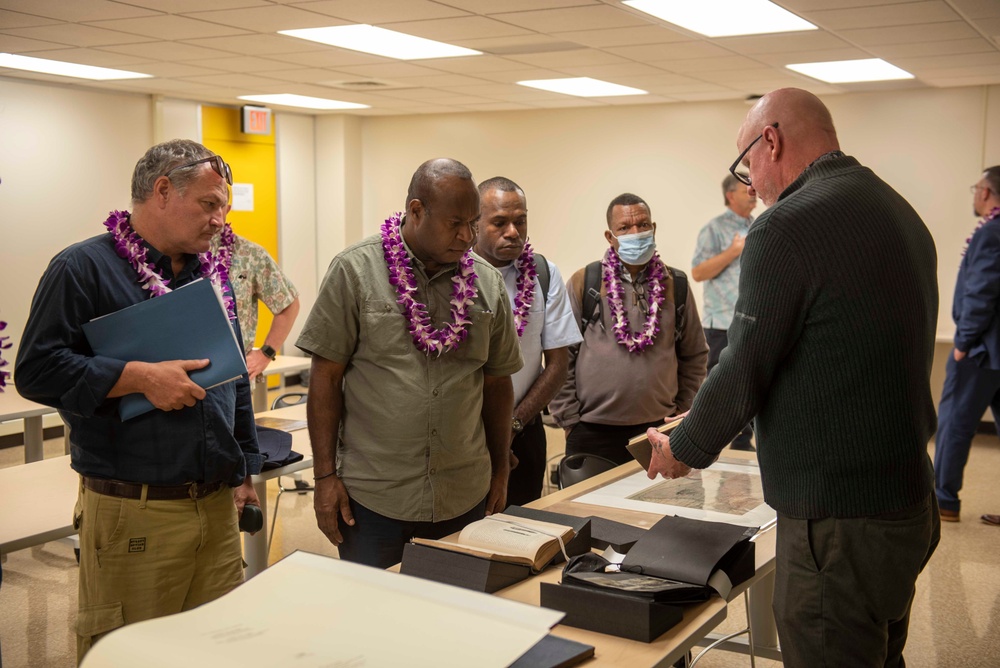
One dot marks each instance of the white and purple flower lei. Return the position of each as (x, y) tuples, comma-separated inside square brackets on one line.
[(994, 212), (129, 246), (633, 342), (426, 337), (525, 295), (4, 345)]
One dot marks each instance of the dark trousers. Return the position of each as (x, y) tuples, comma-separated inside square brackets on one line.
[(377, 540), (525, 483), (606, 440), (968, 391), (717, 340), (844, 587)]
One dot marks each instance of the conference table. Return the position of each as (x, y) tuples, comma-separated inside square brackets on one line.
[(15, 407), (255, 547), (699, 620), (280, 366)]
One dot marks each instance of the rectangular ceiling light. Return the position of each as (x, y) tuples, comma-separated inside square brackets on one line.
[(64, 69), (381, 42), (582, 87), (723, 18), (303, 101), (851, 71)]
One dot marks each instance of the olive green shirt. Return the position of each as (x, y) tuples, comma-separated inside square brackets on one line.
[(412, 444)]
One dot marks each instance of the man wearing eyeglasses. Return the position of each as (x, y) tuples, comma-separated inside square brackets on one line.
[(972, 382), (830, 353), (160, 493), (717, 263)]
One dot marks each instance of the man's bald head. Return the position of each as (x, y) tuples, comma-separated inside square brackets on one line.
[(804, 131), (429, 176)]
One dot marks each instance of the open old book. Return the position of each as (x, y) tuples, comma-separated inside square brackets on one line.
[(515, 540), (642, 450)]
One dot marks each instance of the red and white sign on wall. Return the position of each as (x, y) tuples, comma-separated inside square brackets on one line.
[(255, 120)]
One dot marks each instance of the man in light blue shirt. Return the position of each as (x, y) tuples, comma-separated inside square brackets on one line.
[(717, 262)]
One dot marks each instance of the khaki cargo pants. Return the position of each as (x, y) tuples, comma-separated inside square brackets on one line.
[(142, 559)]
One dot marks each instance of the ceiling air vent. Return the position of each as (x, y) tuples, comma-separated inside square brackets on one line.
[(364, 84)]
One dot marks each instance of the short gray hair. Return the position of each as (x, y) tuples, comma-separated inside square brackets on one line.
[(729, 184), (159, 160)]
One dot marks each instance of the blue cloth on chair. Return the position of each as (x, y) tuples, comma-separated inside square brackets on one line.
[(276, 447)]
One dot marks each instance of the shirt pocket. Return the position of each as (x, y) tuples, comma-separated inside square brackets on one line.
[(476, 346), (384, 330)]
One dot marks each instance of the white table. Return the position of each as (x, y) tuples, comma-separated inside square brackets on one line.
[(281, 366), (255, 546), (37, 501), (15, 407)]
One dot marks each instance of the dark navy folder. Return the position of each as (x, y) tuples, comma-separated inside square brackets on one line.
[(188, 323)]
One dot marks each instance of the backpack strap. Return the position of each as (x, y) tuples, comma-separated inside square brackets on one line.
[(590, 312), (680, 302), (544, 278)]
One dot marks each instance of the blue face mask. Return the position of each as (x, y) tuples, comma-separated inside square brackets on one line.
[(636, 249)]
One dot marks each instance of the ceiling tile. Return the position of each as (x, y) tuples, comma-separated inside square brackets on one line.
[(626, 100), (13, 44), (328, 57), (695, 65), (449, 30), (170, 27), (566, 101), (783, 42), (925, 32), (677, 51), (494, 7), (883, 16), (77, 35), (440, 80), (18, 20), (391, 70), (971, 80), (250, 64), (230, 79), (184, 6), (573, 18), (366, 11), (260, 44), (469, 65), (915, 65), (709, 97), (77, 10), (169, 51), (303, 75), (817, 56), (495, 106), (96, 57), (509, 44), (266, 19), (576, 58), (176, 70), (513, 76), (648, 34), (944, 48), (611, 72), (978, 9)]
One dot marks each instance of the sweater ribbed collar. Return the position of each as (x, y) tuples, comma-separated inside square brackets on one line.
[(822, 167)]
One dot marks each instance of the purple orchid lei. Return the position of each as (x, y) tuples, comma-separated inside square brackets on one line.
[(525, 295), (128, 246), (994, 212), (4, 345), (426, 337), (633, 342)]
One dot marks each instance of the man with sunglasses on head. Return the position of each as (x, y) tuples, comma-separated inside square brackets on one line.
[(161, 493), (830, 354)]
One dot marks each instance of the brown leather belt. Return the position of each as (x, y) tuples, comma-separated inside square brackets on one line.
[(133, 490)]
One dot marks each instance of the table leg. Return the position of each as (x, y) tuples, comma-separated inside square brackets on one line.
[(33, 439), (765, 634), (255, 546), (260, 396)]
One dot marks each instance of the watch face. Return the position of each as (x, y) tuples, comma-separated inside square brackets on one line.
[(517, 426), (268, 351)]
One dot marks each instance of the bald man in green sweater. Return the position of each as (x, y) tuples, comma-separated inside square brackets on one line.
[(830, 355)]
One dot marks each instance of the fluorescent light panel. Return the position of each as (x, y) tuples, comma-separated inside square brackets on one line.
[(64, 69), (303, 101), (381, 42), (582, 87), (851, 71), (723, 18)]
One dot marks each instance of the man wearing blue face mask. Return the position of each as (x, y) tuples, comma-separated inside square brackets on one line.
[(629, 305)]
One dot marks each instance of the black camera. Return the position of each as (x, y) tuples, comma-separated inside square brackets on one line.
[(252, 519)]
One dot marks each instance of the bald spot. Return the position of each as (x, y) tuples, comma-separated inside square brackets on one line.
[(802, 118), (426, 181)]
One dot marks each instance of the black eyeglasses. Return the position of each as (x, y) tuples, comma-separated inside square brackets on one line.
[(217, 163), (744, 178)]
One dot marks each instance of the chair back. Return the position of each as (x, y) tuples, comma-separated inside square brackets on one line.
[(289, 399), (577, 468)]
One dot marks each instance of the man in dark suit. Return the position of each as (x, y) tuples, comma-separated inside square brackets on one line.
[(973, 375)]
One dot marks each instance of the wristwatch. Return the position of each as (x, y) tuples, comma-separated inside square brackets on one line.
[(516, 425), (269, 352)]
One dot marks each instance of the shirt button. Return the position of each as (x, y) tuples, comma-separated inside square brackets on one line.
[(433, 471), (435, 393), (388, 308), (434, 432)]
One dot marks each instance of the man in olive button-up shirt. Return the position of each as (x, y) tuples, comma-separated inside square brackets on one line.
[(410, 443)]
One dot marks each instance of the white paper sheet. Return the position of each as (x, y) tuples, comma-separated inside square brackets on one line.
[(311, 611)]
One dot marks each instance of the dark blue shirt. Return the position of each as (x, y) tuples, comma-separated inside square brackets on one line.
[(213, 441)]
